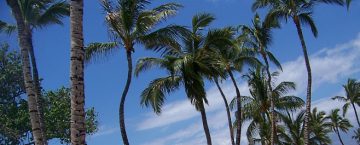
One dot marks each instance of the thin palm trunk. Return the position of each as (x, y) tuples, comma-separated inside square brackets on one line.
[(227, 111), (272, 103), (308, 90), (205, 124), (24, 42), (356, 115), (77, 123), (238, 104), (37, 88), (338, 134), (122, 101)]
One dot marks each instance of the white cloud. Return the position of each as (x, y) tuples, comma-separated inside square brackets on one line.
[(329, 66), (182, 110)]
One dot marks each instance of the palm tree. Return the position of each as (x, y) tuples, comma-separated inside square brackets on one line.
[(232, 56), (257, 108), (338, 123), (227, 108), (292, 131), (300, 11), (131, 23), (30, 14), (77, 123), (320, 128), (259, 38), (187, 66), (38, 14), (352, 97)]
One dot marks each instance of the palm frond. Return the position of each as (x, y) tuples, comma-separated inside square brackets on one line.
[(146, 63), (273, 59), (7, 28), (165, 39), (306, 19), (154, 94), (201, 20), (283, 88), (54, 14), (96, 50)]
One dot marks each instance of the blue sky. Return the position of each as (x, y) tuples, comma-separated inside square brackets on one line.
[(335, 56)]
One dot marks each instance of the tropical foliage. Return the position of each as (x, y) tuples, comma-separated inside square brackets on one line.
[(15, 127)]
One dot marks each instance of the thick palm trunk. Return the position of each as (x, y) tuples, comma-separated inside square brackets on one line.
[(37, 88), (227, 112), (356, 115), (25, 44), (205, 124), (122, 101), (338, 134), (78, 131), (238, 104), (308, 90), (272, 102)]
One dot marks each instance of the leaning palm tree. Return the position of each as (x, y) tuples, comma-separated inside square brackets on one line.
[(227, 108), (77, 121), (187, 66), (232, 58), (131, 23), (258, 36), (338, 123), (300, 11), (352, 97), (257, 107)]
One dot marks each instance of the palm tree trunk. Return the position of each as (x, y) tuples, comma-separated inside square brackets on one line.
[(272, 103), (356, 115), (238, 104), (77, 123), (227, 111), (122, 101), (205, 124), (338, 134), (308, 91), (24, 42), (37, 88)]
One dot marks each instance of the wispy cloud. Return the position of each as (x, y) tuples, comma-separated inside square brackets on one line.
[(329, 65)]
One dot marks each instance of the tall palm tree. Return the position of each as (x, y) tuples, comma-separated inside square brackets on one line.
[(131, 23), (24, 37), (259, 38), (352, 97), (30, 14), (233, 57), (257, 107), (300, 11), (187, 66), (338, 123), (77, 54), (230, 58), (39, 14), (227, 108), (320, 128)]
